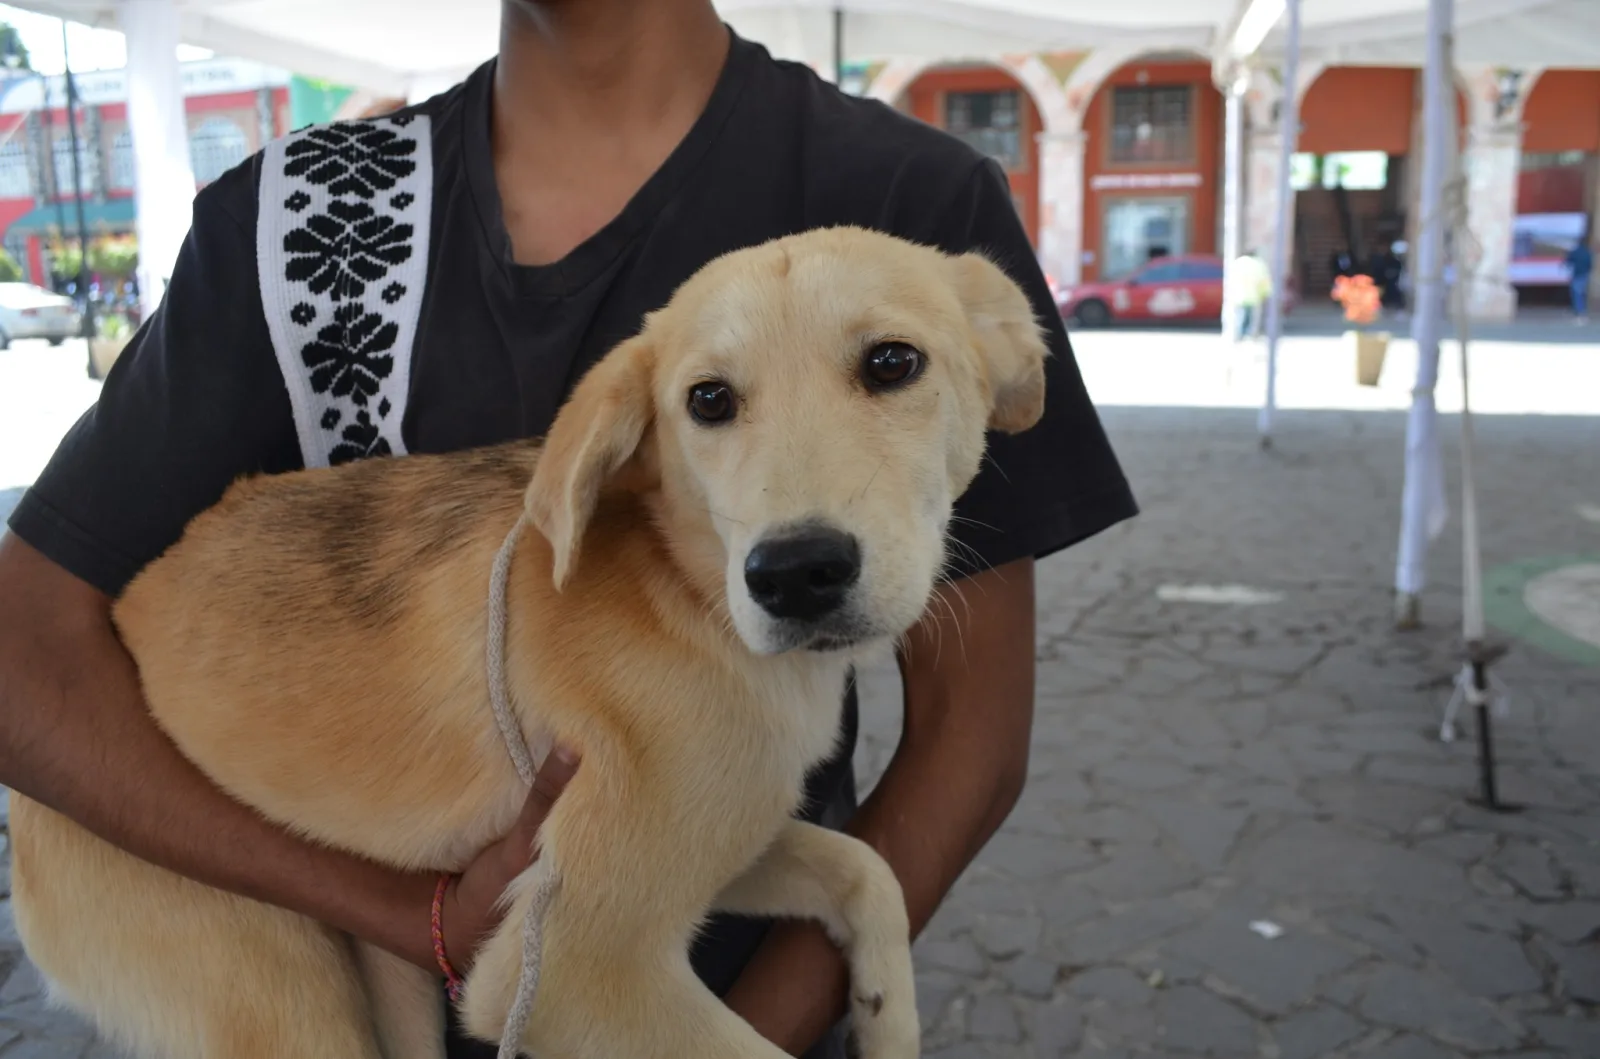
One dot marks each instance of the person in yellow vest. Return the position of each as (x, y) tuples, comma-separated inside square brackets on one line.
[(1249, 284)]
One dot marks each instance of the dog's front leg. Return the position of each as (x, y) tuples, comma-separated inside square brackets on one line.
[(810, 872)]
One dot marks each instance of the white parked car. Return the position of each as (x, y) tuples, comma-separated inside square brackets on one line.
[(27, 311)]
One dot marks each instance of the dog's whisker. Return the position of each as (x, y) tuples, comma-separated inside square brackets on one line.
[(992, 462), (975, 522), (960, 593)]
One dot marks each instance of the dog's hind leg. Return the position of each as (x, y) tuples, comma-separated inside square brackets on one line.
[(168, 968), (407, 1004), (810, 872)]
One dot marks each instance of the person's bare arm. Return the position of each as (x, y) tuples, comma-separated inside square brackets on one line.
[(76, 735), (968, 670)]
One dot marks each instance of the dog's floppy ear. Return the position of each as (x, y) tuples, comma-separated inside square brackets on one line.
[(596, 433), (1009, 340)]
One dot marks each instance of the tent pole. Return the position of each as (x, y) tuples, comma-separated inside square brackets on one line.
[(163, 173), (1232, 197), (1474, 685), (1288, 133), (838, 47), (77, 198), (1423, 506)]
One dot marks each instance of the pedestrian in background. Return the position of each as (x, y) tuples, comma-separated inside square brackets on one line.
[(1249, 285), (1580, 264)]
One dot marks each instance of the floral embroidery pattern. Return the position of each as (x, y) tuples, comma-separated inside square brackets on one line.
[(353, 158), (350, 357), (347, 251)]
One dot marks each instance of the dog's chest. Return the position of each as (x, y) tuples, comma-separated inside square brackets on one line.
[(796, 715)]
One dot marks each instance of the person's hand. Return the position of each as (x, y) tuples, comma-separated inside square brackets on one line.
[(471, 908)]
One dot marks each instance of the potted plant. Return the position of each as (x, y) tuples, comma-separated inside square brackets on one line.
[(1360, 298), (112, 332), (114, 257)]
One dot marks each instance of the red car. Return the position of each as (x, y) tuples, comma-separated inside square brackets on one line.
[(1182, 287)]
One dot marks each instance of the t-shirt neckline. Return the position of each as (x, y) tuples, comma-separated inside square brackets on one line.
[(591, 258)]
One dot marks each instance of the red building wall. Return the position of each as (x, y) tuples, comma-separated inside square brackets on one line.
[(1563, 112), (1205, 120), (1359, 108), (925, 100), (1562, 116)]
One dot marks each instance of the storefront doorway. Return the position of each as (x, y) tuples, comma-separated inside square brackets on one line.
[(1137, 230)]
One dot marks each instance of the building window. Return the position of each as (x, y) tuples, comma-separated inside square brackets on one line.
[(121, 162), (989, 122), (1151, 123), (216, 146), (16, 182), (88, 164)]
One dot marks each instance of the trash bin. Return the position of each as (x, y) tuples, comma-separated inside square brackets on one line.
[(1370, 348)]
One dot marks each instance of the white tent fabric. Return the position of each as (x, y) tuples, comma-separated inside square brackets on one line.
[(407, 47), (403, 47), (1548, 33)]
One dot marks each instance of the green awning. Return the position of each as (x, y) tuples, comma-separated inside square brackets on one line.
[(112, 215)]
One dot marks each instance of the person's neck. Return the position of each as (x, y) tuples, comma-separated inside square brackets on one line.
[(614, 85)]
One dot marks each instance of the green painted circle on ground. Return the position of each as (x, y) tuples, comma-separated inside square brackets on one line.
[(1552, 603)]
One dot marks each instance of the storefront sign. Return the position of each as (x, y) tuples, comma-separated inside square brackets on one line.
[(1142, 181), (204, 77)]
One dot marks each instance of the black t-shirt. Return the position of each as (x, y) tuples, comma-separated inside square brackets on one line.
[(197, 399)]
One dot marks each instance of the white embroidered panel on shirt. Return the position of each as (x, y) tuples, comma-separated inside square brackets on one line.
[(342, 248)]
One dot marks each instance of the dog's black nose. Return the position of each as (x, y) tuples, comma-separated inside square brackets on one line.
[(804, 574)]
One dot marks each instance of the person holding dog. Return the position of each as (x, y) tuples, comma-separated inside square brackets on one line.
[(678, 141)]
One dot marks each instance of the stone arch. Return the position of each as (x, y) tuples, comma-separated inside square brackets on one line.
[(1487, 98), (1090, 76), (898, 75), (1023, 143)]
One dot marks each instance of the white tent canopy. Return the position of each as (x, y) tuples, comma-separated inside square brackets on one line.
[(1547, 33), (412, 47)]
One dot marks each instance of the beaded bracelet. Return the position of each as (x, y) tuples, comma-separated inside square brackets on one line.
[(452, 981)]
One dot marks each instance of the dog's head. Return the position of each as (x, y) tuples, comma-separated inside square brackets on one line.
[(805, 413)]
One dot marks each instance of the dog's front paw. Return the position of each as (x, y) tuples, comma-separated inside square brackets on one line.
[(883, 1024)]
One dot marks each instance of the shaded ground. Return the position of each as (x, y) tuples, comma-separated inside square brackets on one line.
[(1201, 767)]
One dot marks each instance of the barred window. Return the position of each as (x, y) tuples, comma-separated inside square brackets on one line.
[(989, 122), (121, 162), (16, 182), (216, 146), (1151, 123), (88, 163)]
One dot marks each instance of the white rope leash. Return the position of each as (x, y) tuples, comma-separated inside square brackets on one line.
[(499, 687), (522, 758)]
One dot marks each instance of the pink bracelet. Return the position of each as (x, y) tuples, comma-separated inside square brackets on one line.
[(452, 981)]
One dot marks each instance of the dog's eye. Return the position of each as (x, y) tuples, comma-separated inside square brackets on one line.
[(890, 364), (711, 402)]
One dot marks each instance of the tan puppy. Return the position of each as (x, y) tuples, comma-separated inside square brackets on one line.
[(731, 509)]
